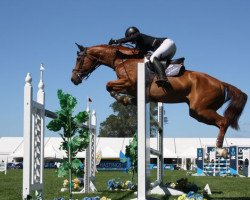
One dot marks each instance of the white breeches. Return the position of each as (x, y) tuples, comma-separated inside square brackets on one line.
[(166, 50)]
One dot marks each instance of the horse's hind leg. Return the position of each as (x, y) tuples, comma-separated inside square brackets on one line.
[(211, 117)]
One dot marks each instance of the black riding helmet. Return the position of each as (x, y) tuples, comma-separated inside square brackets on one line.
[(131, 30)]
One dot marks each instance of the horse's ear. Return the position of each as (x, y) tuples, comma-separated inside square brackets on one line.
[(80, 47)]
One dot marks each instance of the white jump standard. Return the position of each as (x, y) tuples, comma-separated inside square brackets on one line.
[(33, 134), (144, 150)]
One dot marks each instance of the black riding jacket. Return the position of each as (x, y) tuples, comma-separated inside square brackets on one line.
[(143, 42)]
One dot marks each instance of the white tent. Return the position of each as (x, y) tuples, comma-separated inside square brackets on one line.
[(109, 153), (190, 152), (8, 145), (52, 148), (51, 152), (18, 153), (187, 146), (111, 147), (167, 153)]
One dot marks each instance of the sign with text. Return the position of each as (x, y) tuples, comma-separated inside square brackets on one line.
[(200, 160)]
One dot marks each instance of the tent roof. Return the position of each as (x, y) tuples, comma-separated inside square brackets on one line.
[(111, 147), (9, 144)]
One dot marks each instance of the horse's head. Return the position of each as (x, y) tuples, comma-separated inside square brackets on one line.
[(85, 64), (88, 59)]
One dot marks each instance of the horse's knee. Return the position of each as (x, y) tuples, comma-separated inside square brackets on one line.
[(223, 123)]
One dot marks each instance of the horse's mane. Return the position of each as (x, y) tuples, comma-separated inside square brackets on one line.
[(123, 52)]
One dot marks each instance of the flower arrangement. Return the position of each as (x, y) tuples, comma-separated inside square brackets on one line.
[(77, 184), (191, 196), (95, 198), (116, 184)]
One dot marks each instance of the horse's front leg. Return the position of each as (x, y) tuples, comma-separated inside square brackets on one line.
[(123, 99), (115, 88), (119, 86)]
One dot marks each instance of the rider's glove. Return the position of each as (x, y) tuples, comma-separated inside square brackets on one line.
[(111, 41)]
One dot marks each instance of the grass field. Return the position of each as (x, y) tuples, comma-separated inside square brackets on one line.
[(227, 188)]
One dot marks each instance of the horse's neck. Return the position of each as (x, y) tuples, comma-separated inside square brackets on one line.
[(112, 56), (105, 54)]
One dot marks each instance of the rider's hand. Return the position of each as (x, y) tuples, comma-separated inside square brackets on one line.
[(111, 41)]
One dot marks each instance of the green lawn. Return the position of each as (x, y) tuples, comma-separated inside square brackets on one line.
[(228, 188)]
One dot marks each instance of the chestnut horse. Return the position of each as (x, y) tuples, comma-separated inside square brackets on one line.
[(203, 93)]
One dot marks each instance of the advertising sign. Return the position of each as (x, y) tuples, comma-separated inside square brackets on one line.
[(200, 160)]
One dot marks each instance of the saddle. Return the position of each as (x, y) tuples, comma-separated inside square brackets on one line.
[(172, 67)]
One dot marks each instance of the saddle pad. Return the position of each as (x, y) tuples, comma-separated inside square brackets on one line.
[(173, 70)]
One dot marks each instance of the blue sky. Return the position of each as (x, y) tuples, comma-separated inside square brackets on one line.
[(213, 36)]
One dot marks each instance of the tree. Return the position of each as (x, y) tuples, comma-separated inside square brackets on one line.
[(123, 123)]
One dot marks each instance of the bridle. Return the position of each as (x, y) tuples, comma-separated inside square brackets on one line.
[(82, 54), (97, 62)]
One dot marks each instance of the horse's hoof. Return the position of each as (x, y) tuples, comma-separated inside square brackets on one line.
[(126, 100), (222, 152), (108, 88)]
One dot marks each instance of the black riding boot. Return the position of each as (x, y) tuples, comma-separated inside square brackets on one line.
[(162, 81)]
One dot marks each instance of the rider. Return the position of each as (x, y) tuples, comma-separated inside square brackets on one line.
[(161, 47)]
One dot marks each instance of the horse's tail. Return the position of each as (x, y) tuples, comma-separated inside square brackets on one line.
[(237, 101)]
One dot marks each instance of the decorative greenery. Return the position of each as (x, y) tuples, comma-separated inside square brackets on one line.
[(131, 153), (75, 136)]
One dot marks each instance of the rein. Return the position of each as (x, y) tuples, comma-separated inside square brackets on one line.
[(97, 62), (78, 72)]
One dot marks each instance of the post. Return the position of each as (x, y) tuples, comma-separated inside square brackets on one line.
[(93, 144), (27, 129), (143, 147), (89, 167), (160, 159), (143, 131), (3, 165), (33, 131), (39, 136), (246, 160)]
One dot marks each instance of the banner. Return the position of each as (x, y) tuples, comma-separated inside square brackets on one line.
[(233, 160), (200, 160)]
